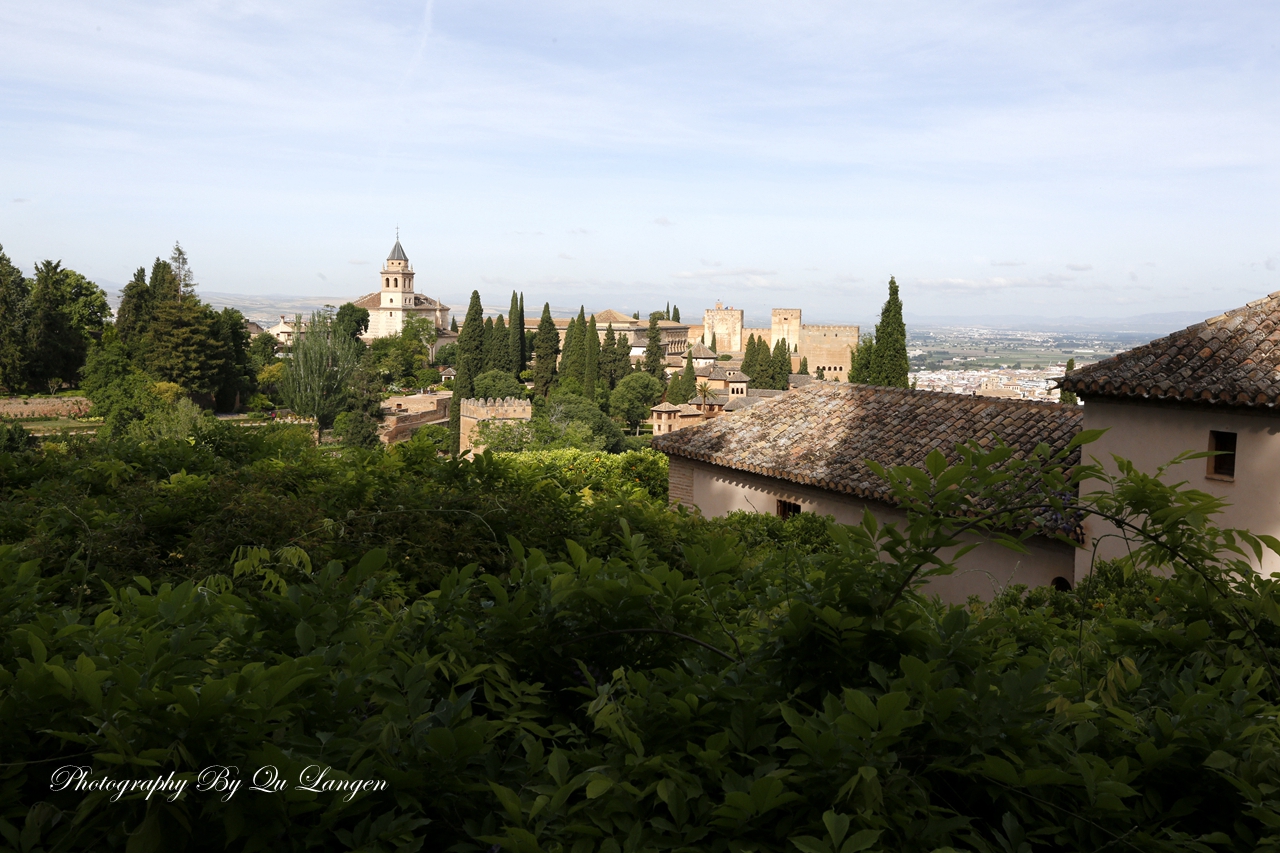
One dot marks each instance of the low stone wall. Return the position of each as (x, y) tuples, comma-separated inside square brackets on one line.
[(44, 407), (400, 427)]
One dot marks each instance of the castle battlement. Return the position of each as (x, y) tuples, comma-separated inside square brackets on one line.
[(505, 409)]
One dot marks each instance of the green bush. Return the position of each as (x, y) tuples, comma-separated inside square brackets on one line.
[(701, 685)]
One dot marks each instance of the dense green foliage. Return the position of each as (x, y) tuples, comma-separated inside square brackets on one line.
[(655, 353), (535, 653), (46, 325), (1068, 398)]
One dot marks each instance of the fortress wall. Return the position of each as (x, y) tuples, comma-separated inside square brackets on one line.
[(472, 412), (726, 323), (829, 347)]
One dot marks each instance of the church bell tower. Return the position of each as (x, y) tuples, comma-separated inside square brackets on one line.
[(397, 279)]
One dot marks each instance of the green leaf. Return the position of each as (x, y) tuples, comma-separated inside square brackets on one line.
[(598, 786), (809, 844), (306, 636), (1219, 760), (861, 840)]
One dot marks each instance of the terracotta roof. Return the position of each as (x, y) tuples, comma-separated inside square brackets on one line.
[(717, 373), (369, 300), (664, 406), (700, 350), (616, 317), (1232, 360), (822, 435)]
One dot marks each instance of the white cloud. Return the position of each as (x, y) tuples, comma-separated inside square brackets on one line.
[(729, 273), (322, 276), (21, 200), (1080, 267)]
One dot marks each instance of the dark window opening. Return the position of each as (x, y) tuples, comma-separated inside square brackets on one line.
[(1223, 464), (786, 509), (1061, 584)]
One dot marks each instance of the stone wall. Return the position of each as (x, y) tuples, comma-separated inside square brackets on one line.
[(828, 347), (398, 427), (475, 411), (726, 323)]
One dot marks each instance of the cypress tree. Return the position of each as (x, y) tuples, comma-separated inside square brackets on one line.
[(622, 355), (889, 363), (526, 346), (135, 307), (666, 315), (684, 384), (453, 325), (497, 355), (546, 346), (55, 348), (608, 371), (470, 364), (655, 357), (488, 339), (860, 360), (804, 366), (780, 369), (713, 342), (750, 362), (591, 360), (1068, 398), (675, 313), (515, 337), (574, 359), (635, 316)]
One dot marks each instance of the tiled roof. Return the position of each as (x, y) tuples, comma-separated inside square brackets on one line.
[(701, 350), (617, 318), (369, 300), (664, 406), (397, 253), (717, 373), (822, 435), (1229, 360)]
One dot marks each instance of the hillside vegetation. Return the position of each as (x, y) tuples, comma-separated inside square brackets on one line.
[(536, 654)]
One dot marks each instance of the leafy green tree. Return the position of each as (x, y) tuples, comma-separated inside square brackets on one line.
[(87, 304), (675, 313), (889, 363), (591, 359), (237, 378), (120, 393), (182, 345), (1068, 398), (713, 341), (446, 355), (608, 362), (634, 397), (55, 347), (351, 320), (453, 325), (546, 347), (318, 373), (620, 359), (471, 341), (356, 429), (488, 339), (753, 364), (804, 367), (14, 294), (860, 361), (136, 305), (497, 384), (182, 272), (655, 355)]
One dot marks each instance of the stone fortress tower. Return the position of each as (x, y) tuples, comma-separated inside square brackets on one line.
[(826, 347)]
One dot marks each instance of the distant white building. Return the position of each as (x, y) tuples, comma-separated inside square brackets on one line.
[(396, 300)]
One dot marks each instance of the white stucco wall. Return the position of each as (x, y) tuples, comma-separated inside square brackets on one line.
[(1151, 434), (986, 570)]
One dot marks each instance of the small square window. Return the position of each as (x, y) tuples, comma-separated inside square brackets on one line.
[(786, 509), (1222, 466)]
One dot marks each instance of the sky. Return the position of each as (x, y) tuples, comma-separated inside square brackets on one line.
[(1099, 159)]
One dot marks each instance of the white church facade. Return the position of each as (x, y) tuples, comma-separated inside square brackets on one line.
[(396, 300)]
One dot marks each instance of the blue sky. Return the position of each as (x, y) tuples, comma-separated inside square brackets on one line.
[(1100, 159)]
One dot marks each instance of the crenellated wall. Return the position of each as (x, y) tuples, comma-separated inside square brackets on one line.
[(472, 412)]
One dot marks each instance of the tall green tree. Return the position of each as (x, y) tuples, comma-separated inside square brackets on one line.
[(889, 363), (655, 355), (135, 306), (182, 272), (608, 369), (236, 379), (675, 313), (804, 367), (780, 368), (55, 349), (318, 373), (860, 360), (1068, 398), (497, 354), (683, 384), (515, 337), (634, 398), (453, 325), (87, 304), (751, 362), (591, 359), (182, 344), (621, 357), (488, 339), (546, 347), (526, 348), (351, 320), (14, 293), (666, 314), (470, 364), (713, 341), (574, 357)]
